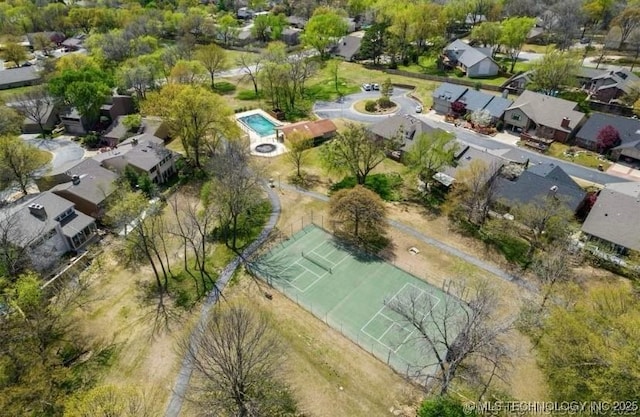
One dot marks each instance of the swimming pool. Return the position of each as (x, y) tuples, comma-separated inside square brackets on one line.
[(259, 124)]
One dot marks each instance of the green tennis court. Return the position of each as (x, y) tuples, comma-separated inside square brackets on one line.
[(350, 291)]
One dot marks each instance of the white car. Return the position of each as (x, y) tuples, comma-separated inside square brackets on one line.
[(375, 86), (418, 109), (366, 87)]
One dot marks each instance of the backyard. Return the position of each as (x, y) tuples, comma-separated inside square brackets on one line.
[(578, 155)]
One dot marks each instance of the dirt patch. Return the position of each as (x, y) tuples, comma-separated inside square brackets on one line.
[(145, 358)]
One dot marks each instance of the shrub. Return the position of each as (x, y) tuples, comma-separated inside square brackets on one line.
[(370, 106), (458, 73), (443, 407), (224, 87), (385, 103), (248, 95), (91, 140), (387, 186), (500, 126), (132, 121)]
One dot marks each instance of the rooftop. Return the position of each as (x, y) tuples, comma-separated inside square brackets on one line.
[(547, 110), (615, 216), (94, 183)]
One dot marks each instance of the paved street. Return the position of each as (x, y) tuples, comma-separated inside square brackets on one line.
[(407, 105)]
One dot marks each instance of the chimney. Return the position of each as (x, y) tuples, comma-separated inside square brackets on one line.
[(75, 180), (38, 210), (554, 189), (565, 122)]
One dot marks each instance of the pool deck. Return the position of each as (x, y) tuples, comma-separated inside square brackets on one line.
[(255, 139)]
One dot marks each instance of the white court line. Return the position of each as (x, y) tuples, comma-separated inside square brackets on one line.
[(394, 322)]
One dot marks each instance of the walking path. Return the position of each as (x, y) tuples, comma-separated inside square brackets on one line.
[(186, 369), (182, 383)]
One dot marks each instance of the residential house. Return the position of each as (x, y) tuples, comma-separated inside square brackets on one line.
[(542, 119), (348, 47), (320, 130), (614, 219), (117, 105), (628, 128), (19, 77), (518, 83), (291, 36), (56, 38), (474, 62), (118, 132), (539, 182), (537, 35), (73, 122), (297, 21), (447, 94), (611, 85), (245, 13), (48, 117), (88, 186), (74, 43), (464, 158), (244, 36), (405, 129), (586, 74), (48, 226), (145, 153)]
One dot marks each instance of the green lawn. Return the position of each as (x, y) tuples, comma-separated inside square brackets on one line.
[(427, 65), (6, 95), (580, 157)]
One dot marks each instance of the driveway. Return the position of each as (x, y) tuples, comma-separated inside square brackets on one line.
[(64, 149)]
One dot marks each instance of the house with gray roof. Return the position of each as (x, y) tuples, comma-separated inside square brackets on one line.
[(611, 85), (88, 185), (19, 77), (464, 158), (538, 115), (48, 226), (145, 153), (628, 129), (405, 129), (348, 47), (446, 94), (474, 62), (614, 219), (291, 36), (538, 183)]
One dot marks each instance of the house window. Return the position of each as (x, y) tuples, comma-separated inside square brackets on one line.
[(515, 116), (152, 170)]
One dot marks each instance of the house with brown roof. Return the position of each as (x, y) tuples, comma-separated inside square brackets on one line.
[(542, 119), (318, 130), (614, 219), (88, 185)]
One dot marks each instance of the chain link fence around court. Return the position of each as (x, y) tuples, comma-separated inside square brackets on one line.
[(412, 368), (319, 220)]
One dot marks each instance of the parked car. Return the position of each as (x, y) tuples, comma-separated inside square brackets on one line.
[(375, 86), (418, 108), (585, 41), (366, 87)]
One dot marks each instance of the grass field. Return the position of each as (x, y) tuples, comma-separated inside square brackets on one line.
[(350, 291)]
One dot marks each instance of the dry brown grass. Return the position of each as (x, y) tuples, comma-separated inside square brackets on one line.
[(329, 375)]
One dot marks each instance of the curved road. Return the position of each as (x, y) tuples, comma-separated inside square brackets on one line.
[(407, 105)]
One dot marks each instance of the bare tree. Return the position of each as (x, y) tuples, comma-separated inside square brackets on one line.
[(250, 64), (554, 266), (35, 105), (234, 355), (194, 224), (299, 143), (235, 190), (459, 333), (475, 191)]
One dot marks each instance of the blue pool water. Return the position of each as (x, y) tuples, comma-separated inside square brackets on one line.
[(259, 124)]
